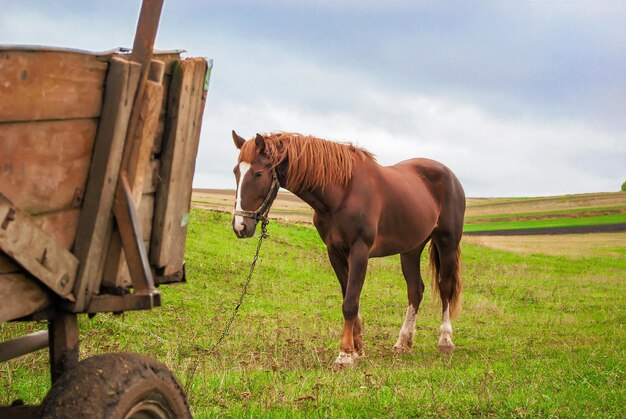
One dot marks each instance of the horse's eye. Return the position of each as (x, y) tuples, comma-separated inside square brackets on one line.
[(258, 174)]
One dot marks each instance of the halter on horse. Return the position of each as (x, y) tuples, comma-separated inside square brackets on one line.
[(362, 210)]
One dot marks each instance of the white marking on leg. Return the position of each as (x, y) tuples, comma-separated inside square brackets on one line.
[(344, 358), (405, 338), (445, 331), (243, 169)]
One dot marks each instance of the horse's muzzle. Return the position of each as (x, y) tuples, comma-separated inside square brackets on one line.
[(244, 229)]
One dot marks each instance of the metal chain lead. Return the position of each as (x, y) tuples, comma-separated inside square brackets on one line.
[(263, 235)]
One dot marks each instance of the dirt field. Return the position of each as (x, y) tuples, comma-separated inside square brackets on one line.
[(588, 203), (290, 208), (580, 245), (287, 206)]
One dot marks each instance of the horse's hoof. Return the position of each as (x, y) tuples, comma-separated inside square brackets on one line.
[(445, 343), (400, 349), (445, 349), (344, 360)]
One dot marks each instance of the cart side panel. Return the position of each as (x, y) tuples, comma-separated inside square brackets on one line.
[(47, 85), (21, 295), (45, 164)]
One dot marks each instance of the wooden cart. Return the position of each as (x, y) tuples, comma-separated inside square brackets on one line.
[(97, 155)]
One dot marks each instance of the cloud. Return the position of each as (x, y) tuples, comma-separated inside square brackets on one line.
[(491, 154), (517, 98)]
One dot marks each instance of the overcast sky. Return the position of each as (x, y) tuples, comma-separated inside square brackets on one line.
[(519, 98)]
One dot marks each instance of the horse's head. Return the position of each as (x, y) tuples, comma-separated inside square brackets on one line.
[(257, 185)]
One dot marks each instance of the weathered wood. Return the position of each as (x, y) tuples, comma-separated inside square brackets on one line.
[(44, 165), (139, 149), (157, 72), (21, 295), (132, 242), (117, 303), (152, 176), (60, 225), (146, 212), (144, 139), (63, 335), (158, 141), (37, 252), (7, 265), (95, 223), (23, 345), (146, 31), (143, 47), (40, 85), (184, 118)]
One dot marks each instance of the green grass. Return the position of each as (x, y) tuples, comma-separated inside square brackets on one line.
[(545, 223), (538, 336), (556, 213)]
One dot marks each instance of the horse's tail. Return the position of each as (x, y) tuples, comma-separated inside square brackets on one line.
[(457, 281)]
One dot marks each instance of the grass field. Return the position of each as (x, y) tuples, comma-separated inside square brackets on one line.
[(486, 215), (482, 215), (548, 222), (539, 335)]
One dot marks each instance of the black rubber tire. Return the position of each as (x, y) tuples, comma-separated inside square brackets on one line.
[(112, 386)]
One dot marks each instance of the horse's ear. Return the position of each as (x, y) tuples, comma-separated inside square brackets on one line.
[(260, 143), (238, 140)]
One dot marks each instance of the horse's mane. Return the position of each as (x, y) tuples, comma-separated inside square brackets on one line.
[(311, 162)]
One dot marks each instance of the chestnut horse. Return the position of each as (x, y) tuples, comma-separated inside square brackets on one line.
[(362, 210)]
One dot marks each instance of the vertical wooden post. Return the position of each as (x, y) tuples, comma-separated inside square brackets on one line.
[(63, 335), (95, 225), (185, 107)]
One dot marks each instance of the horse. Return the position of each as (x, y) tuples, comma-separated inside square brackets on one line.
[(361, 210)]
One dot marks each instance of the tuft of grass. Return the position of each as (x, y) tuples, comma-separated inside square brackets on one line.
[(539, 335)]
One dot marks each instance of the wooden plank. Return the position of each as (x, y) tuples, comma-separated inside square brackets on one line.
[(117, 303), (95, 223), (143, 47), (23, 345), (185, 107), (46, 85), (21, 295), (63, 338), (60, 225), (7, 265), (152, 176), (146, 213), (139, 151), (158, 141), (132, 243), (44, 165), (122, 277), (26, 243), (145, 135)]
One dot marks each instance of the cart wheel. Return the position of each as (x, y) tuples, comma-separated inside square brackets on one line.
[(118, 385)]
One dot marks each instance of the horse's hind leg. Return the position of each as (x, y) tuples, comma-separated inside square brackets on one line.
[(415, 290), (447, 266)]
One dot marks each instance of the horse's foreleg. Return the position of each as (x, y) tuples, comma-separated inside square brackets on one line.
[(357, 336), (351, 342)]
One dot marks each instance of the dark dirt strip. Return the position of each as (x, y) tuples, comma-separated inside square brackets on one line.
[(605, 228)]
